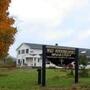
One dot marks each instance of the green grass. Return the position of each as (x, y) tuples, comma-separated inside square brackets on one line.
[(26, 79), (18, 79), (59, 78)]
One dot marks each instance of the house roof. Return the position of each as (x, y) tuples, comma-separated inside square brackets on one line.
[(39, 46), (32, 46)]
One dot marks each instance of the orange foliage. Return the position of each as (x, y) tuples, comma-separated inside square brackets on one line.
[(7, 32)]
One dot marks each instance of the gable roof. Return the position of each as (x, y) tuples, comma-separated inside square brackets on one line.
[(32, 46), (39, 46)]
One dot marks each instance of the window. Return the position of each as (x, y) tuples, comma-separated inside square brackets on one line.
[(34, 64), (19, 61), (19, 52), (29, 58), (47, 62), (34, 59), (23, 51), (38, 59), (23, 61), (40, 55), (31, 51), (27, 50)]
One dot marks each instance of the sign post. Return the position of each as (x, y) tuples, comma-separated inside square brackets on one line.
[(76, 64), (43, 77), (54, 53)]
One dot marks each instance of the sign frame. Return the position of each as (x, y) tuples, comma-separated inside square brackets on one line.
[(44, 58)]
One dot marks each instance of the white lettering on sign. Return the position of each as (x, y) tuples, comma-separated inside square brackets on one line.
[(60, 52)]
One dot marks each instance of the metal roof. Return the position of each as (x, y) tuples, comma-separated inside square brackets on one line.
[(39, 46), (34, 46)]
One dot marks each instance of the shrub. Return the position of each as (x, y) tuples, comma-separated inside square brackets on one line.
[(83, 72)]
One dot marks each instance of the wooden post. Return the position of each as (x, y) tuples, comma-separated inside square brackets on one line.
[(43, 66), (39, 75), (76, 64)]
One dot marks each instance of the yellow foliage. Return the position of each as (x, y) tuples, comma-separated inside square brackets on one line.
[(7, 32)]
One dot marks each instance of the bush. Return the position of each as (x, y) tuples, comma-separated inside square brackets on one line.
[(70, 73), (83, 73)]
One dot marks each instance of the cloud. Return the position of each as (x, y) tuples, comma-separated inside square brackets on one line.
[(50, 12), (65, 22), (82, 36), (78, 38)]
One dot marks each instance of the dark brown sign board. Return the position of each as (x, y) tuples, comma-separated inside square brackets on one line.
[(54, 52), (57, 54), (60, 52)]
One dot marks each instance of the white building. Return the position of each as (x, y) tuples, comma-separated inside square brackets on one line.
[(30, 55)]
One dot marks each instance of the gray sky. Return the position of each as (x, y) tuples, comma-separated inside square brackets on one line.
[(65, 22)]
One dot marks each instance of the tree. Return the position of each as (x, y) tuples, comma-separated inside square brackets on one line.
[(7, 31), (10, 60), (83, 61)]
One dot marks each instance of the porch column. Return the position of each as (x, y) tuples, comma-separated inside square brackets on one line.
[(33, 61), (22, 62), (36, 61)]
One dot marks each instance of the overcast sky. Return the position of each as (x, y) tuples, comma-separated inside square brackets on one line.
[(66, 22)]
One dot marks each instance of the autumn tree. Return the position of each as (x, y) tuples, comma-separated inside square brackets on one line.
[(7, 31)]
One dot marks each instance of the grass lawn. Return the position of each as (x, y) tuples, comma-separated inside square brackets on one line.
[(26, 79)]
